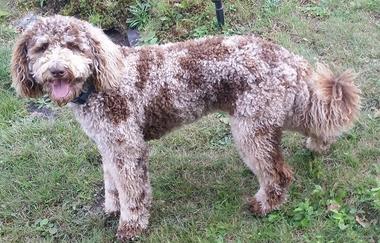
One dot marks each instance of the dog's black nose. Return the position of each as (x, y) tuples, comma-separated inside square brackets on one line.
[(57, 71)]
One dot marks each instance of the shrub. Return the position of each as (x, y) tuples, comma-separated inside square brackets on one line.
[(110, 14)]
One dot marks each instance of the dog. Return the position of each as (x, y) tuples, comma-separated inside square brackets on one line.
[(124, 97)]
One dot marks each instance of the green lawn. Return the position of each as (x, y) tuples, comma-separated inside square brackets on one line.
[(50, 173)]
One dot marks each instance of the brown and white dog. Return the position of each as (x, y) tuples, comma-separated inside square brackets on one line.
[(124, 97)]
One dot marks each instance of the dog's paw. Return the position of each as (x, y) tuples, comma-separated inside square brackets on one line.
[(112, 215), (128, 232), (256, 208), (111, 208), (319, 147)]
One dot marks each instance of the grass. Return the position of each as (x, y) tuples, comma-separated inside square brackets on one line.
[(50, 174)]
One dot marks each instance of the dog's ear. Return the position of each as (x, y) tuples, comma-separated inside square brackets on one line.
[(339, 90), (107, 59), (22, 79)]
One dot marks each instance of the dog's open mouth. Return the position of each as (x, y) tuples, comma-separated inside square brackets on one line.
[(60, 89)]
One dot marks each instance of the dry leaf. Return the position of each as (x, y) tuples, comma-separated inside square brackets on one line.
[(361, 221), (333, 207)]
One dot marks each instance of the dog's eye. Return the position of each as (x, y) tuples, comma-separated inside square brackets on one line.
[(41, 48), (73, 46)]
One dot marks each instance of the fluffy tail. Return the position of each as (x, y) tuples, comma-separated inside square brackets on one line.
[(337, 101)]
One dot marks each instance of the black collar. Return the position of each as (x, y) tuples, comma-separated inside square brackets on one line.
[(83, 96)]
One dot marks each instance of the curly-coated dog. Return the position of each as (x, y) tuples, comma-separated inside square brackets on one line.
[(124, 97)]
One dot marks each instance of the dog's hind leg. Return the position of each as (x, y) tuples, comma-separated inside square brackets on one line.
[(259, 147)]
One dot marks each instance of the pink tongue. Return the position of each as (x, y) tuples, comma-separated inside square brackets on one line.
[(60, 89)]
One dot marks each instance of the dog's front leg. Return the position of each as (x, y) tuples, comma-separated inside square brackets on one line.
[(130, 174), (111, 195)]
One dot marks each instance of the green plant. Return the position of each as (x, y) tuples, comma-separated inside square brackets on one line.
[(200, 31), (303, 214), (7, 33), (43, 102), (139, 14), (375, 197), (95, 19), (148, 38), (271, 5), (3, 15), (342, 218), (319, 10), (370, 196), (45, 227), (42, 3)]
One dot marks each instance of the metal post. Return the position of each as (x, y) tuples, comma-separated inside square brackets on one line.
[(219, 12)]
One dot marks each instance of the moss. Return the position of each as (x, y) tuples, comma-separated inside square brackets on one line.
[(106, 14), (180, 20)]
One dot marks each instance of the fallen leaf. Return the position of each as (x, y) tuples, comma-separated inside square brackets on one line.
[(361, 221), (333, 207)]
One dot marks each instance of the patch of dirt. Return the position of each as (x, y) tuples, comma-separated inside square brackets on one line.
[(131, 38), (41, 112), (305, 2), (369, 213), (117, 37), (97, 205), (97, 208)]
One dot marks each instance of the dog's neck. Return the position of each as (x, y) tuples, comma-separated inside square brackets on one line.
[(85, 94), (297, 118)]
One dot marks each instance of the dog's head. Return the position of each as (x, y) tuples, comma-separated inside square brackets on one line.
[(57, 55)]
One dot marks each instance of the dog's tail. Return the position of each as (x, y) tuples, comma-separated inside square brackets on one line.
[(339, 96)]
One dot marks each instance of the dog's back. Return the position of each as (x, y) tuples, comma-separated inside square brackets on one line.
[(242, 75)]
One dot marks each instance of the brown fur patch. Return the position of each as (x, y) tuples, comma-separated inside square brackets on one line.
[(143, 67), (127, 51), (144, 168), (114, 194), (269, 52), (211, 49), (115, 106), (303, 74), (22, 80), (226, 92), (141, 196), (255, 207), (128, 231), (142, 164), (160, 115), (135, 209), (207, 50), (119, 163), (251, 64), (120, 141), (243, 41), (160, 57), (282, 171), (262, 132), (191, 72), (274, 196)]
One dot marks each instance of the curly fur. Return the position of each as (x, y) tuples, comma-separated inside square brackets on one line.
[(142, 93)]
